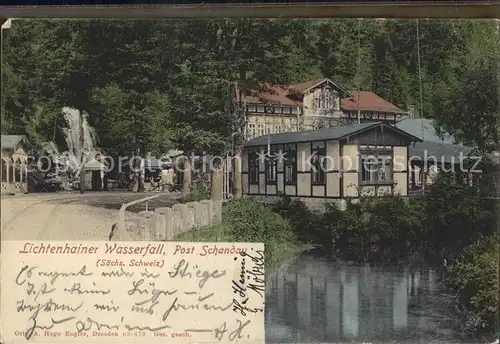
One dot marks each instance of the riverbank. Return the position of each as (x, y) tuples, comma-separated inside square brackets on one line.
[(250, 221), (453, 227), (277, 254)]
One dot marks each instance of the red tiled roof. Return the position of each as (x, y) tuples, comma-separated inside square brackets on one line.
[(284, 95), (306, 85), (272, 94), (368, 101)]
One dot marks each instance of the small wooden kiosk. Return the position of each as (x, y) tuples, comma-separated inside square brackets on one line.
[(14, 162)]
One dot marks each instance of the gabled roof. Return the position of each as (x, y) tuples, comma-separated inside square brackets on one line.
[(284, 95), (303, 87), (94, 165), (333, 133), (11, 141)]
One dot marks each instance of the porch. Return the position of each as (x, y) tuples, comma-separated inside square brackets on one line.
[(14, 176)]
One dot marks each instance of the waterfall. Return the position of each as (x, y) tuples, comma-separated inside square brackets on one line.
[(81, 143)]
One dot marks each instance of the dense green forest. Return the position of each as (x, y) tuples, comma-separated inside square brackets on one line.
[(173, 82)]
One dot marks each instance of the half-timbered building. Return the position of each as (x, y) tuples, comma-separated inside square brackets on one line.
[(329, 164), (311, 105)]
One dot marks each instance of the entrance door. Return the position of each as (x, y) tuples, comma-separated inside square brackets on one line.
[(96, 180)]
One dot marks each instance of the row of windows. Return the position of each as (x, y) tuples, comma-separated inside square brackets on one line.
[(256, 130), (287, 155), (272, 109), (375, 167)]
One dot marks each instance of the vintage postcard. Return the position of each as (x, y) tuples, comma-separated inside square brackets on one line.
[(143, 160)]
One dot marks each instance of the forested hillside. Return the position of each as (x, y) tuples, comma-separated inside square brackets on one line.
[(172, 82)]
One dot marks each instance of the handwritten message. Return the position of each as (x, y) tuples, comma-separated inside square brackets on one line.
[(132, 292)]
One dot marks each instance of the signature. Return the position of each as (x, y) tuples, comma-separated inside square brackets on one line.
[(235, 334), (243, 309), (257, 283), (219, 332)]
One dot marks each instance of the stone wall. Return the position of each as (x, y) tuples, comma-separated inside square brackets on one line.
[(166, 223)]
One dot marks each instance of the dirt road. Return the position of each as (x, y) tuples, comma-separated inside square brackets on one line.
[(67, 216)]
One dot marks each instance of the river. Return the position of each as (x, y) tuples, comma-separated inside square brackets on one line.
[(322, 301)]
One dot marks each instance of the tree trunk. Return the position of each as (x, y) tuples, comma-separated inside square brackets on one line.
[(140, 185), (83, 157), (238, 190), (496, 145), (238, 145), (217, 184), (82, 178), (186, 182)]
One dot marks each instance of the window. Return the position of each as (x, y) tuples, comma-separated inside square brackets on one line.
[(251, 130), (253, 167), (318, 162), (326, 99), (376, 168), (290, 162), (260, 129), (271, 168)]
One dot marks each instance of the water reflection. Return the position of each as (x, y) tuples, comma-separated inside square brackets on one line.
[(323, 301)]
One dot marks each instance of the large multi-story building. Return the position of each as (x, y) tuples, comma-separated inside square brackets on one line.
[(312, 105)]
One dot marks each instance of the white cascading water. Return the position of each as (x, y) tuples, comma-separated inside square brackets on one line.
[(80, 150)]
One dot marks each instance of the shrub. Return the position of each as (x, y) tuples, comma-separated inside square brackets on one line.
[(375, 229), (252, 221), (306, 224), (198, 192), (458, 215), (451, 216), (475, 279)]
